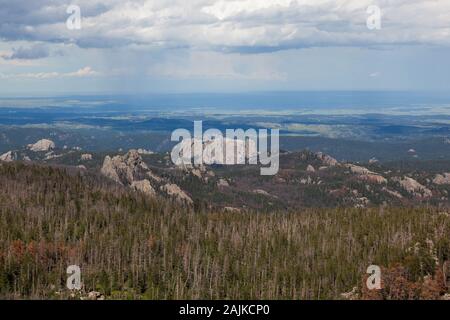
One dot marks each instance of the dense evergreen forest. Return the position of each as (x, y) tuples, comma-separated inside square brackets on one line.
[(131, 246)]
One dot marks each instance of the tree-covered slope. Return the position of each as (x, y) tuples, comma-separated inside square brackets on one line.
[(129, 245)]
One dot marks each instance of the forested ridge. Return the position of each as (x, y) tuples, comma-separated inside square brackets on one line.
[(130, 245)]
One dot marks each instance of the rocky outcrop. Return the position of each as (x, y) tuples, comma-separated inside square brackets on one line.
[(124, 169), (94, 295), (413, 187), (42, 145), (351, 295), (326, 159), (134, 160), (357, 169), (51, 155), (130, 170), (262, 192), (8, 156), (175, 191), (197, 173), (86, 157), (446, 297), (144, 151), (153, 176), (441, 179), (143, 186), (367, 175), (110, 169), (361, 202), (222, 183), (310, 168), (393, 193), (373, 178), (243, 150)]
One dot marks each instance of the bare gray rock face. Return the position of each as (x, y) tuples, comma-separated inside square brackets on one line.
[(175, 191), (263, 193), (86, 157), (367, 175), (110, 168), (243, 149), (42, 145), (223, 183), (131, 171), (326, 159), (124, 169), (8, 156), (441, 179), (143, 186), (393, 193), (414, 187)]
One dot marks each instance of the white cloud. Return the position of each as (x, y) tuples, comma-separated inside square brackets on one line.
[(228, 9), (146, 41), (84, 72), (231, 25)]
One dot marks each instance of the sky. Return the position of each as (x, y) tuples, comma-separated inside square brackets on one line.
[(144, 46)]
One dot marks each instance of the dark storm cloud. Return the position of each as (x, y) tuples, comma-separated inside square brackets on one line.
[(31, 53)]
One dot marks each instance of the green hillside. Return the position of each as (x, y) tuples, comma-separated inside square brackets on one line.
[(131, 246)]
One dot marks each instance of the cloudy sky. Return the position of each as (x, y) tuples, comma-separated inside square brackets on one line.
[(128, 46)]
